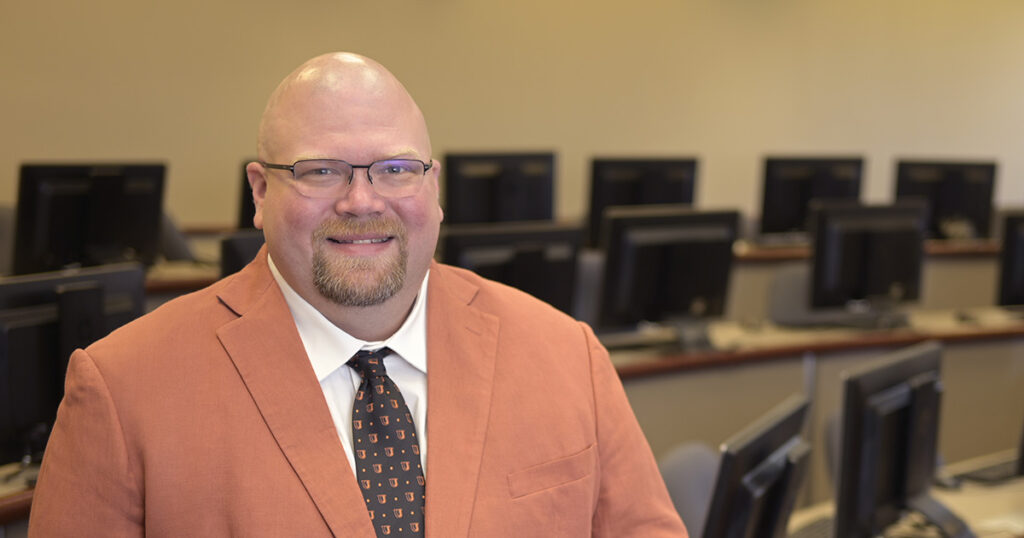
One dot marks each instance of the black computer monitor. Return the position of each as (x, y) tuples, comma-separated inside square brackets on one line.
[(618, 182), (43, 318), (890, 424), (760, 471), (790, 183), (539, 258), (246, 207), (867, 259), (959, 195), (498, 187), (1011, 261), (72, 215), (239, 248), (668, 264)]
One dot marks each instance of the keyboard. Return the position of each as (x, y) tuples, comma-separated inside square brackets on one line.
[(819, 528), (997, 472)]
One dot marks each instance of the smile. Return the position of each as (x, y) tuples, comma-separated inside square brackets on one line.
[(360, 241)]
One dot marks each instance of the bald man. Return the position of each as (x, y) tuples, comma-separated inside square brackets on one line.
[(344, 383)]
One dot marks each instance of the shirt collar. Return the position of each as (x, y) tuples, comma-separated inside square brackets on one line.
[(328, 347)]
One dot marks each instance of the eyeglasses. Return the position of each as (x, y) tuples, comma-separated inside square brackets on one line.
[(331, 178)]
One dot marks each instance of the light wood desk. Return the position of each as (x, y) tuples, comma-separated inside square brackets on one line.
[(989, 510), (707, 397)]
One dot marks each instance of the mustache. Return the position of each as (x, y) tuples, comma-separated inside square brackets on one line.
[(377, 225)]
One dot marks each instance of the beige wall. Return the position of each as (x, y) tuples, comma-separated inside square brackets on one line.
[(724, 80)]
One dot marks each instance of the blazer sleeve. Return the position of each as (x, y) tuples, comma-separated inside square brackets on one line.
[(87, 485), (632, 497)]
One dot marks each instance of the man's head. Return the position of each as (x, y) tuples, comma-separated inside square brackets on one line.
[(353, 245)]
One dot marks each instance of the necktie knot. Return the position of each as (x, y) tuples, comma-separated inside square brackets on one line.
[(370, 363)]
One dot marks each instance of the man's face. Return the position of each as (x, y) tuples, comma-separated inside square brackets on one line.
[(358, 249)]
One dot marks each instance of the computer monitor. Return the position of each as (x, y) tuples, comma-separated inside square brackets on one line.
[(790, 183), (760, 471), (1011, 261), (72, 215), (239, 248), (246, 207), (668, 264), (959, 195), (618, 182), (867, 259), (539, 258), (890, 424), (498, 187), (43, 318)]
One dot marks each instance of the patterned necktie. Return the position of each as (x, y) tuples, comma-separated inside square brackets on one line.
[(386, 450)]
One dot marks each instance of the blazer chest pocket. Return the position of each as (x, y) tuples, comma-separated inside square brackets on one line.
[(552, 474)]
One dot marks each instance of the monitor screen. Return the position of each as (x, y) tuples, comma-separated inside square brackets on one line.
[(539, 258), (791, 183), (88, 214), (760, 471), (890, 422), (498, 187), (866, 257), (665, 263), (618, 182), (959, 195), (43, 318), (1011, 261)]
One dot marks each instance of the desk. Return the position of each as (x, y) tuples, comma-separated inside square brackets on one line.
[(15, 497), (707, 397), (988, 510)]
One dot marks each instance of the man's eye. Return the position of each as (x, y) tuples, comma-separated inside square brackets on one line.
[(396, 168), (321, 173)]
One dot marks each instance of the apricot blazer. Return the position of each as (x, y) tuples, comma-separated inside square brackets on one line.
[(204, 418)]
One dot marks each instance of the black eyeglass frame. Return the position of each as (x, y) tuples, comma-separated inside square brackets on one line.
[(291, 167)]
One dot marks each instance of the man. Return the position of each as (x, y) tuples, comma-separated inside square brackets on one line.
[(236, 411)]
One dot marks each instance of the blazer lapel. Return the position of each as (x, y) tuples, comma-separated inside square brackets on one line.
[(268, 353), (461, 352)]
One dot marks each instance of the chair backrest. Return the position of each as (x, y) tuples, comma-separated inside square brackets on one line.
[(689, 472)]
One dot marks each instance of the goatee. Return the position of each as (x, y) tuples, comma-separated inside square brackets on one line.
[(357, 281)]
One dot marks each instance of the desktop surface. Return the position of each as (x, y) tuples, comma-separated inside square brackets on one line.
[(990, 510)]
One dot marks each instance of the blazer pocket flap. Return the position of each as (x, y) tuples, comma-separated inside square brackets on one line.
[(551, 474)]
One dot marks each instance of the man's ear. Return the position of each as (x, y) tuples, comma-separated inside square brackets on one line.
[(258, 183), (435, 173)]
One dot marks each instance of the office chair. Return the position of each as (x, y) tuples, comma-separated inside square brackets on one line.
[(689, 471)]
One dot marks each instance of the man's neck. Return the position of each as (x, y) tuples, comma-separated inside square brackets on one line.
[(368, 323)]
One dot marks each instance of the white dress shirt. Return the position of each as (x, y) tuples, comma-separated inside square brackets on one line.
[(329, 348)]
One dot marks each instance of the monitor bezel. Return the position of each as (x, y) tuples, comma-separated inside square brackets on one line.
[(457, 240), (950, 172), (138, 228), (510, 195), (772, 204), (601, 198), (773, 449), (619, 220)]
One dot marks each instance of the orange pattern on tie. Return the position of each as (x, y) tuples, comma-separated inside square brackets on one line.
[(386, 450)]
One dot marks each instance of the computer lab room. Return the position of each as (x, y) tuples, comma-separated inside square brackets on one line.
[(797, 226)]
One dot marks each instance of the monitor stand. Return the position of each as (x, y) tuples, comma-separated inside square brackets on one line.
[(940, 516), (692, 335), (689, 335), (789, 304)]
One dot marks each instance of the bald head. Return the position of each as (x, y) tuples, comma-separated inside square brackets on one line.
[(343, 90)]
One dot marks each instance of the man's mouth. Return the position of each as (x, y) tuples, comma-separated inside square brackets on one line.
[(360, 241)]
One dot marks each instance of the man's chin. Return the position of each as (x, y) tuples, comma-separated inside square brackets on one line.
[(359, 286)]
